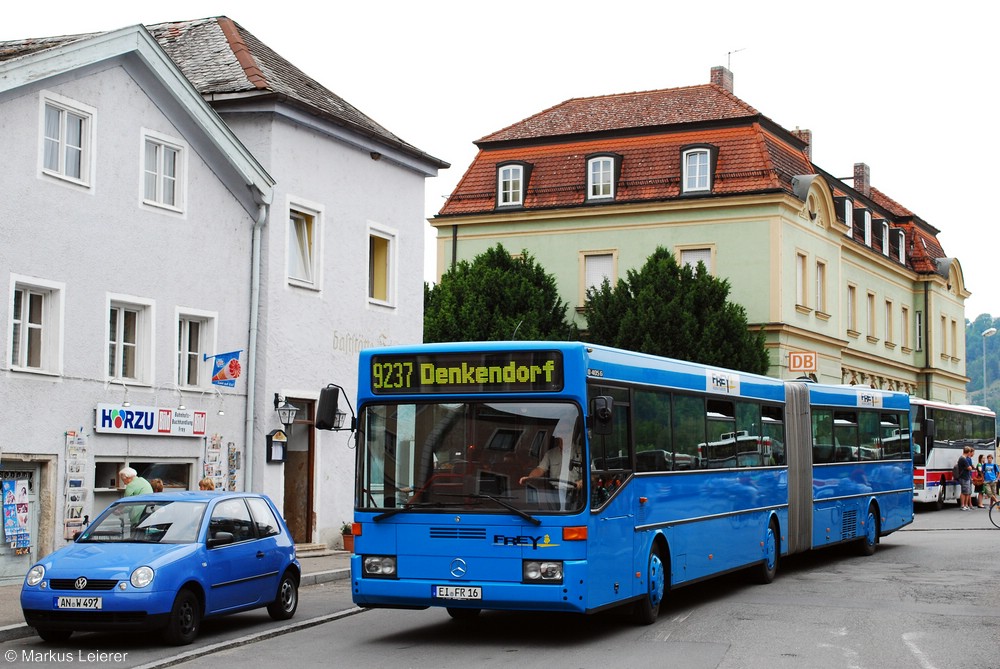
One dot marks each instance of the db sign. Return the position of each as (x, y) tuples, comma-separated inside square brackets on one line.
[(802, 362)]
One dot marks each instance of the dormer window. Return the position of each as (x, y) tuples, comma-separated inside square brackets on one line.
[(849, 216), (885, 239), (901, 241), (867, 217), (697, 166), (512, 179), (602, 173)]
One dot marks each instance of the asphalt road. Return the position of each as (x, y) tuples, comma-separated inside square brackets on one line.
[(926, 600)]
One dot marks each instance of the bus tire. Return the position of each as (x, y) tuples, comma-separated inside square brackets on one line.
[(647, 608), (939, 504), (462, 614), (765, 572), (869, 540)]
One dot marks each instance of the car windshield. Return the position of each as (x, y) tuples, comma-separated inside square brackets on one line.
[(166, 522), (501, 457)]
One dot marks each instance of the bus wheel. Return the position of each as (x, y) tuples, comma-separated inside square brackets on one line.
[(939, 504), (648, 607), (768, 568), (462, 614), (868, 542)]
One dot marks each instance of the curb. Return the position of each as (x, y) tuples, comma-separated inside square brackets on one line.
[(21, 630)]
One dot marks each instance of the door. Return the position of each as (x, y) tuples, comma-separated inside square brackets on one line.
[(299, 473)]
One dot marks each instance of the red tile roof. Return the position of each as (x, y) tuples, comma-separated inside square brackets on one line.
[(645, 109)]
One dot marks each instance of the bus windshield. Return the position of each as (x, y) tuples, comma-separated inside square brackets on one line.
[(503, 457)]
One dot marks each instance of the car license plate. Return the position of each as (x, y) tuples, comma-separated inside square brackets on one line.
[(458, 592), (78, 602)]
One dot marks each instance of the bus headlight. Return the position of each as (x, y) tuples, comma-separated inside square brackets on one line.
[(542, 571), (379, 566)]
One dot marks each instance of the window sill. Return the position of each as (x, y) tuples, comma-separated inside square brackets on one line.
[(872, 340), (803, 309), (853, 334), (305, 285), (905, 349), (379, 303), (33, 370), (160, 206), (890, 345), (822, 315)]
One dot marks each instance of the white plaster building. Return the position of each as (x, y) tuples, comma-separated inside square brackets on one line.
[(143, 231)]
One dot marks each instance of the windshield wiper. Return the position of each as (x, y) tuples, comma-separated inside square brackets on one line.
[(510, 507), (388, 513)]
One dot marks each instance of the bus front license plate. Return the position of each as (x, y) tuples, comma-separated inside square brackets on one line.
[(458, 592)]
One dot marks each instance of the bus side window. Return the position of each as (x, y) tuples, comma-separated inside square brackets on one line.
[(652, 432)]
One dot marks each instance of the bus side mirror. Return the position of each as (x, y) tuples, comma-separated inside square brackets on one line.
[(328, 413), (929, 428), (600, 411)]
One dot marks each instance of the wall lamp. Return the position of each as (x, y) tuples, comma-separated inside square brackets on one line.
[(125, 402), (328, 413), (286, 412)]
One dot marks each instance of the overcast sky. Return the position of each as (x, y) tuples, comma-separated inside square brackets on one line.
[(905, 87)]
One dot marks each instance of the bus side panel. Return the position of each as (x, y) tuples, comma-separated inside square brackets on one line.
[(843, 492), (713, 520)]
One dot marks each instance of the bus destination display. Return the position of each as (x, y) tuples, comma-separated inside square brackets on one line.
[(483, 372)]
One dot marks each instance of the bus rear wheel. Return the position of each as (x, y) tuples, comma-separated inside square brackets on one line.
[(768, 568), (648, 607), (869, 540)]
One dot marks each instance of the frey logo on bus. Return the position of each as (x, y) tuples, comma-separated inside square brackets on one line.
[(866, 399), (722, 382)]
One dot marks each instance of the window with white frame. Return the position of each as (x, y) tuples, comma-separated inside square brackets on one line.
[(918, 331), (303, 247), (868, 228), (36, 327), (821, 286), (849, 216), (697, 170), (889, 330), (67, 138), (901, 242), (885, 239), (954, 338), (380, 266), (163, 171), (129, 340), (600, 178), (510, 179), (944, 336), (597, 266), (190, 349), (692, 256), (800, 279), (852, 309), (904, 326), (870, 313)]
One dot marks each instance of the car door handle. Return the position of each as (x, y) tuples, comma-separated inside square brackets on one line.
[(260, 554)]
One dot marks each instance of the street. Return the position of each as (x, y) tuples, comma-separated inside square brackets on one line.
[(927, 598)]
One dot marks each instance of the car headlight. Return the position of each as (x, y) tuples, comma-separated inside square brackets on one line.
[(539, 571), (141, 577), (35, 575), (380, 566)]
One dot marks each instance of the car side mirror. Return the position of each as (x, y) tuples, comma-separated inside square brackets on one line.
[(221, 539)]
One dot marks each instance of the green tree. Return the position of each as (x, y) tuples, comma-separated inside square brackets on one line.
[(677, 312), (496, 297)]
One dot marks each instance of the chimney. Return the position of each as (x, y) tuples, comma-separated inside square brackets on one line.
[(807, 137), (862, 179), (722, 77)]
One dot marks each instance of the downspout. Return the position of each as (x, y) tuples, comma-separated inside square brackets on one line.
[(927, 339), (454, 245), (252, 344)]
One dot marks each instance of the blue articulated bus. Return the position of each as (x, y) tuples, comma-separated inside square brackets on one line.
[(571, 477)]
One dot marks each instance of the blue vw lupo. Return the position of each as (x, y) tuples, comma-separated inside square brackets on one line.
[(165, 561)]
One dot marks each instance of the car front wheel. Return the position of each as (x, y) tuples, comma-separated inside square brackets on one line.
[(185, 620)]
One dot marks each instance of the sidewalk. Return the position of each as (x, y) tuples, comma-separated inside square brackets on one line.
[(317, 567)]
